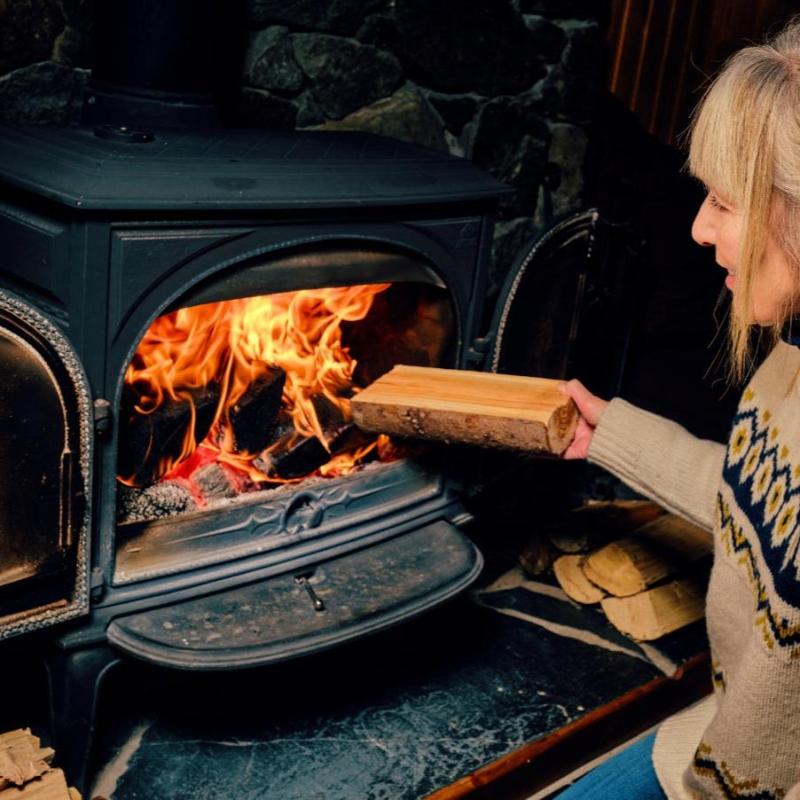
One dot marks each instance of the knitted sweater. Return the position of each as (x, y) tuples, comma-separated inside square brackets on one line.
[(744, 740)]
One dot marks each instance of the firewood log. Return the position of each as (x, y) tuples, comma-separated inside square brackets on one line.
[(51, 785), (22, 757), (501, 411), (300, 459), (146, 439), (597, 522), (254, 416), (572, 579), (656, 612), (686, 540), (627, 566)]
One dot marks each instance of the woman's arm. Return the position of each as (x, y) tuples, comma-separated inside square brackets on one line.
[(653, 455)]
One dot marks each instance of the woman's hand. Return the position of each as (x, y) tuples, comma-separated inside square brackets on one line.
[(590, 407)]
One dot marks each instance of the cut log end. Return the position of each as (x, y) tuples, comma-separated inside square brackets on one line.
[(572, 579), (656, 612), (626, 567), (561, 427)]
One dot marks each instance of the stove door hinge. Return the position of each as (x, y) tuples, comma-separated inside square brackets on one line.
[(478, 350), (102, 418), (97, 583)]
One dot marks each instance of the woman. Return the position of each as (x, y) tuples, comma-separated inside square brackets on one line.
[(744, 740)]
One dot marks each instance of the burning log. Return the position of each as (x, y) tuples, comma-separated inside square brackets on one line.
[(330, 416), (503, 411), (254, 416), (350, 437), (300, 459), (146, 440), (213, 482)]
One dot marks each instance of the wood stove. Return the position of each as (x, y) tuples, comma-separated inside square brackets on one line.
[(117, 239)]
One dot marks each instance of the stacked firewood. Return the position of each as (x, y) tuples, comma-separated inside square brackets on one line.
[(25, 770), (646, 568)]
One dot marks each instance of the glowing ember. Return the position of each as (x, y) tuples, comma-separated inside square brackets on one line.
[(287, 346)]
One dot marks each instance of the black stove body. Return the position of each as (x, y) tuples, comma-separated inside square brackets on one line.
[(104, 230)]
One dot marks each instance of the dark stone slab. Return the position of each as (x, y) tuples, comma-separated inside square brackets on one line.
[(344, 74), (549, 38), (456, 110), (576, 84), (510, 140), (309, 111), (478, 46), (406, 115), (564, 9), (261, 109), (379, 30), (269, 62), (338, 16), (567, 153), (43, 93), (28, 29)]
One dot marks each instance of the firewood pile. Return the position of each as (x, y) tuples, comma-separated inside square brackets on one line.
[(26, 772), (645, 568)]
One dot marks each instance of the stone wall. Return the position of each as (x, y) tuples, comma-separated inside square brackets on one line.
[(509, 84)]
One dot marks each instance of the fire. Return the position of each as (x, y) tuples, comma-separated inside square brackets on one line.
[(294, 337)]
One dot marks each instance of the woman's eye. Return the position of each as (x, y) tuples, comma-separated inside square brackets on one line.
[(715, 202)]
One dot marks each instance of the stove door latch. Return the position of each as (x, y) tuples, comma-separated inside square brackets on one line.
[(102, 418), (303, 580)]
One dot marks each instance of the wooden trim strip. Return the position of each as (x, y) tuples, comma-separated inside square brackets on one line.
[(549, 757)]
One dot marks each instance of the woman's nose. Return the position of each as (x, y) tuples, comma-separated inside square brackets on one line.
[(703, 230)]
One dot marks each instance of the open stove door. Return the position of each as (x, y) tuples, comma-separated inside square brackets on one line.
[(45, 457), (567, 308)]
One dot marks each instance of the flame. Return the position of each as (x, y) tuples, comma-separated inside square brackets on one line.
[(231, 344)]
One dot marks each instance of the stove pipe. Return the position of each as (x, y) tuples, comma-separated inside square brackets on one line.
[(154, 63)]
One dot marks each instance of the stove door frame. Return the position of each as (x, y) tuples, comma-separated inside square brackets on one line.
[(59, 364)]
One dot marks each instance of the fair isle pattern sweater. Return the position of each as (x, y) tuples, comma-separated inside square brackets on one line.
[(744, 741)]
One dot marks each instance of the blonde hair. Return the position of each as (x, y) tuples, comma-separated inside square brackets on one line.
[(745, 144)]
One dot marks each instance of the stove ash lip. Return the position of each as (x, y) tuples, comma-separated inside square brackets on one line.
[(356, 508)]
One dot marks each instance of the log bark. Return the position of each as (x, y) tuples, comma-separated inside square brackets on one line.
[(477, 408), (657, 612)]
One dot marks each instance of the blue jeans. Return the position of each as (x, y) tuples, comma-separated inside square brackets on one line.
[(629, 774)]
